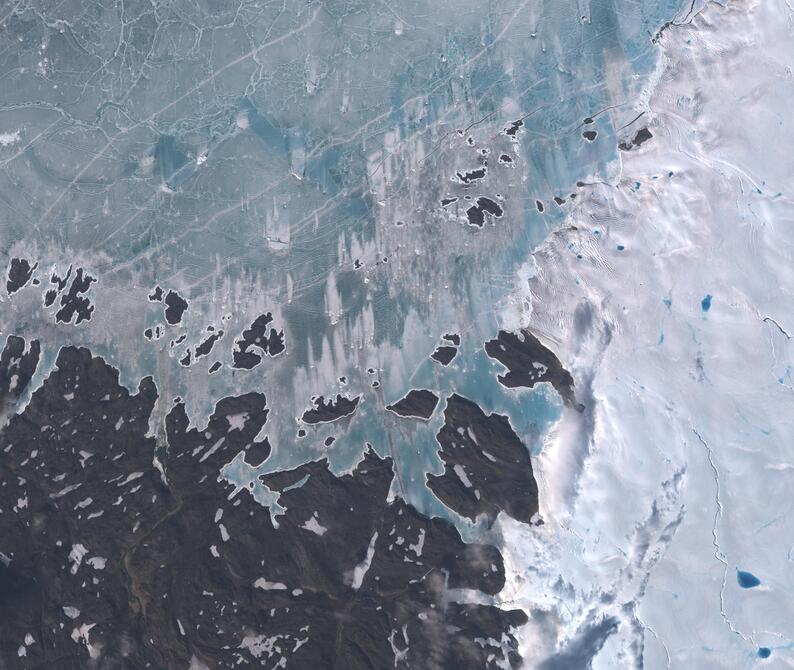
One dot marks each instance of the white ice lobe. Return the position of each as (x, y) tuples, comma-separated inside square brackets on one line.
[(360, 571), (314, 525)]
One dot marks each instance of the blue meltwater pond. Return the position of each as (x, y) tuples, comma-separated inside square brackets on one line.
[(747, 580)]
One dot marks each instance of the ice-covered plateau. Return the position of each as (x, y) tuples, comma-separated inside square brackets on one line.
[(676, 320)]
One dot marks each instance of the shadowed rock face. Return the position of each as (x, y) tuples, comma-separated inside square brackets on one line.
[(107, 563), (175, 307), (325, 411), (529, 363), (63, 462), (482, 206), (486, 466), (19, 273), (17, 364), (417, 404), (444, 354), (74, 302), (195, 455), (640, 137), (259, 335), (205, 347)]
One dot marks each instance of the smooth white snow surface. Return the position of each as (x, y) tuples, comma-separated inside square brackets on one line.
[(680, 471)]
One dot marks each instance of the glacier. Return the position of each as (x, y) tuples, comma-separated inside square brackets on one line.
[(270, 222), (678, 481)]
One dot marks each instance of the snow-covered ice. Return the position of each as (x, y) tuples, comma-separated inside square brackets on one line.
[(678, 475)]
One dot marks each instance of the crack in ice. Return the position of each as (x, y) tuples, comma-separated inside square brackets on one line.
[(718, 553)]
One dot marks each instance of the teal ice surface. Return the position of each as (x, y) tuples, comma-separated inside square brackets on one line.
[(410, 442), (247, 153)]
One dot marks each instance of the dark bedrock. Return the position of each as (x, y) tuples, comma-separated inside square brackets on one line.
[(487, 468), (529, 363), (108, 561), (417, 404)]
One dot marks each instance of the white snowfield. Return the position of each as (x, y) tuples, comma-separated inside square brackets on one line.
[(681, 471)]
